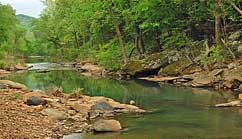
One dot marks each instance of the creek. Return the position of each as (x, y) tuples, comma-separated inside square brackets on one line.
[(173, 112)]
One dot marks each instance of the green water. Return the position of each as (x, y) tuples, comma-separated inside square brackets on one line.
[(175, 112)]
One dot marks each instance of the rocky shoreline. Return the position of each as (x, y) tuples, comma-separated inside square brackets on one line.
[(227, 77), (26, 113), (16, 68)]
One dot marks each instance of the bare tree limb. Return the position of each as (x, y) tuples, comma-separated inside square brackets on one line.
[(236, 8)]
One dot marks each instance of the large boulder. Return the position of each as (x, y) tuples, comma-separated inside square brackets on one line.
[(35, 101), (148, 66), (202, 79), (2, 72), (21, 67), (13, 85), (81, 108), (54, 114), (92, 69), (37, 94), (107, 126), (235, 35), (102, 106), (192, 69), (233, 78), (233, 74), (175, 68)]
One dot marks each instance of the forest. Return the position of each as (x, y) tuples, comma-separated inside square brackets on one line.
[(112, 32), (143, 69)]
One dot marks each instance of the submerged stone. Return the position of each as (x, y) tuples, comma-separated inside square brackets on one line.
[(73, 136), (107, 126)]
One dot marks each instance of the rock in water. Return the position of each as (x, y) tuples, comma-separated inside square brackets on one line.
[(35, 101), (73, 136), (240, 88), (228, 84), (240, 96), (20, 67), (132, 102), (103, 106), (107, 126)]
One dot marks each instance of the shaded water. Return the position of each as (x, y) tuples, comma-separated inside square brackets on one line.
[(175, 112)]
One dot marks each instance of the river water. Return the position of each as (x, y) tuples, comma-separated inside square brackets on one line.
[(174, 112)]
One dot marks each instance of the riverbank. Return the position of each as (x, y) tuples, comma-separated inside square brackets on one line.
[(29, 113), (225, 77), (219, 78), (6, 69), (172, 108)]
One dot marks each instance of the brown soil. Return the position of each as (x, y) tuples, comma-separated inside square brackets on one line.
[(18, 121)]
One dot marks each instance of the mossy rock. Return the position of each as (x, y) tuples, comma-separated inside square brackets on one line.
[(148, 66), (174, 68), (154, 57), (134, 66), (197, 48), (192, 69)]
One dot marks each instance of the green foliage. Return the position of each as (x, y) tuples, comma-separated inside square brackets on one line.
[(25, 21), (8, 64), (177, 40), (3, 64), (214, 55), (109, 56), (8, 23), (89, 30)]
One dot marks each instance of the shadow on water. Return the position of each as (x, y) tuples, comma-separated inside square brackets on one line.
[(175, 112)]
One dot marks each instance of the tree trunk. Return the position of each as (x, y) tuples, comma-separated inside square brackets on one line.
[(76, 39), (157, 38), (142, 41), (136, 46), (217, 21), (121, 43), (131, 52), (217, 29), (136, 41)]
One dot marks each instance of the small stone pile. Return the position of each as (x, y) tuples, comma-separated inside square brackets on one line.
[(73, 113)]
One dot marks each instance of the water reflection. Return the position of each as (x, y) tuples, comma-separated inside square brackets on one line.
[(175, 112)]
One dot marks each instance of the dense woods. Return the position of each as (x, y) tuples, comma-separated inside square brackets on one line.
[(87, 67), (113, 31)]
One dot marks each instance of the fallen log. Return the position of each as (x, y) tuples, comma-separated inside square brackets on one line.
[(160, 79), (235, 103)]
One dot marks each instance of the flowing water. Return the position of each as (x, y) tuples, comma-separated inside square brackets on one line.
[(174, 112)]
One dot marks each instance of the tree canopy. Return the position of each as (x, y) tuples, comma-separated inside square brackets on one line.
[(114, 30)]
